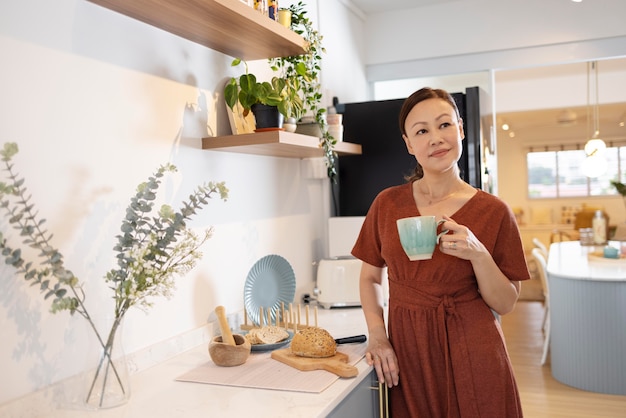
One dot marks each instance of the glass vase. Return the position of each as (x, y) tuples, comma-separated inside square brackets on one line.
[(107, 382)]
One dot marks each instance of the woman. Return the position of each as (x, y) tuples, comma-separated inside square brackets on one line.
[(445, 355)]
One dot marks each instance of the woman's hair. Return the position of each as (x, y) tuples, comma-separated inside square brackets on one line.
[(410, 102)]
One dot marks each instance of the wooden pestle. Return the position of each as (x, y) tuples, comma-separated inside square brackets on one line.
[(227, 336)]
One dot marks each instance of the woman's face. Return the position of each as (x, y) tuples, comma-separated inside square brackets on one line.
[(434, 135)]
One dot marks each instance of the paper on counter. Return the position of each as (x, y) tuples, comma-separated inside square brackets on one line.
[(262, 372)]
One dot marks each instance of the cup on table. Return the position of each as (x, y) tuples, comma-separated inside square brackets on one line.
[(610, 252), (418, 236)]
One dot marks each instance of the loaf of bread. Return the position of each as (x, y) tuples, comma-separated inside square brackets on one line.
[(313, 342), (267, 335)]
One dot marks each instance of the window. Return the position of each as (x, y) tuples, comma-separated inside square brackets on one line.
[(554, 174)]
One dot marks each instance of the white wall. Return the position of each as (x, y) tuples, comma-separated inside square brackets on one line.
[(96, 102), (559, 86), (397, 89), (343, 67)]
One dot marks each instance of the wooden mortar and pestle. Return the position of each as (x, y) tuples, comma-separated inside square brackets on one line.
[(228, 349)]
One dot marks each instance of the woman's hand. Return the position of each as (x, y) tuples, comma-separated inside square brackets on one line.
[(460, 241), (495, 288), (381, 355)]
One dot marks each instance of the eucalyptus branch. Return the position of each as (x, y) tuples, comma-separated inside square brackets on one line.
[(21, 216), (151, 251)]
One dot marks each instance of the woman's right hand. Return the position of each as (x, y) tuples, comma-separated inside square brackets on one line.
[(381, 355)]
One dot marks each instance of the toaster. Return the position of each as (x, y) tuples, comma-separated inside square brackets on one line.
[(338, 282)]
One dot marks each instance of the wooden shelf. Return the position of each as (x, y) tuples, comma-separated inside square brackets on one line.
[(276, 144), (227, 26), (235, 29)]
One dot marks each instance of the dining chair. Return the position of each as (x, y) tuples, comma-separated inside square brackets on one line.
[(558, 235), (538, 244), (540, 260), (543, 278)]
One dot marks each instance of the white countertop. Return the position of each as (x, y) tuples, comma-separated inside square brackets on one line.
[(156, 394), (571, 260)]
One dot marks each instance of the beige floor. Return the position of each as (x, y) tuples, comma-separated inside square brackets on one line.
[(542, 395)]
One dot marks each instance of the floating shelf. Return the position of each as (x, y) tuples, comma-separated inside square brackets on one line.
[(235, 29), (276, 144), (227, 26)]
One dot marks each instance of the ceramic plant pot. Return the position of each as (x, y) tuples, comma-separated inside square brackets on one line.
[(267, 117), (290, 125), (309, 128)]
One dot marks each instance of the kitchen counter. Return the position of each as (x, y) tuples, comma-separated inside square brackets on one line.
[(587, 317), (581, 262), (156, 394)]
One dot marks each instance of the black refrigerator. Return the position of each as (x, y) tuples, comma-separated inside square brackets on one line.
[(385, 161)]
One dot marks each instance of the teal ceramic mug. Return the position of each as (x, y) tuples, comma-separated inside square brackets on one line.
[(418, 236)]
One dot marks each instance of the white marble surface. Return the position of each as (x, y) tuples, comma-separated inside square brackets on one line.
[(156, 393), (571, 260)]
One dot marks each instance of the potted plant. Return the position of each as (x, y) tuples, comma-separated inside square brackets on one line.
[(302, 73), (276, 99)]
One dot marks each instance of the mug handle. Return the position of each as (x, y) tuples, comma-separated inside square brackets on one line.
[(443, 232)]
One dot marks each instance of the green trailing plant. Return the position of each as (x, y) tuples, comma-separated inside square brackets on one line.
[(247, 91), (303, 71), (152, 249)]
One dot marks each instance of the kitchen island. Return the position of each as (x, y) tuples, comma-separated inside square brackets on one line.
[(156, 393), (587, 317)]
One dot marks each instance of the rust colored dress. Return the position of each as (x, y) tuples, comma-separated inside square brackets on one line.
[(451, 352)]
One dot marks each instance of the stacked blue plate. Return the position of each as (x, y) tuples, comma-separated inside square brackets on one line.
[(270, 282)]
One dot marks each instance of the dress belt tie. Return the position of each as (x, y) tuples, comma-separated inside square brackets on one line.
[(455, 344)]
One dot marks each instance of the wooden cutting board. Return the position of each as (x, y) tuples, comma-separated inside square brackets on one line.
[(337, 364)]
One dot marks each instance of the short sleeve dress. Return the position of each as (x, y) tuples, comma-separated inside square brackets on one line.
[(450, 347)]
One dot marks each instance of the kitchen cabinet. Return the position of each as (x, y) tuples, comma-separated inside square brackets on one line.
[(277, 144), (227, 26), (367, 400)]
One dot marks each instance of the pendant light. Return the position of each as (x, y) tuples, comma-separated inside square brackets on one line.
[(595, 163), (594, 166)]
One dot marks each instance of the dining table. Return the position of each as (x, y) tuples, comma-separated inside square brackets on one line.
[(588, 316)]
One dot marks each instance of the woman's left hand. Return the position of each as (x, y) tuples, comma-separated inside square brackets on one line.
[(460, 241)]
